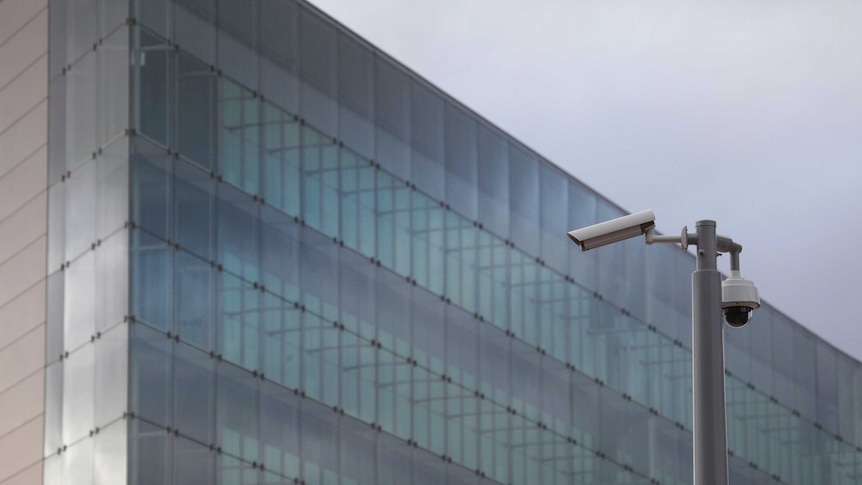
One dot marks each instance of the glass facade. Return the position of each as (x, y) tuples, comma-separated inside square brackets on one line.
[(278, 256)]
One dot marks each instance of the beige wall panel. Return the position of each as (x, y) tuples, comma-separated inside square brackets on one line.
[(15, 13), (21, 448), (23, 227), (24, 92), (22, 358), (23, 183), (22, 139), (18, 402), (23, 271), (22, 314), (23, 48), (29, 476)]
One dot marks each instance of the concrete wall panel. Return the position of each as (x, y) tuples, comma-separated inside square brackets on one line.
[(21, 448), (16, 99), (14, 14), (16, 402), (27, 476), (22, 314), (22, 358), (22, 227), (25, 137), (23, 183), (23, 271), (24, 48)]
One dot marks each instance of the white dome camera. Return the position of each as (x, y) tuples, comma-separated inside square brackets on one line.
[(738, 299)]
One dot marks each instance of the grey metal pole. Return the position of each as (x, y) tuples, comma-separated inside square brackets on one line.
[(710, 430)]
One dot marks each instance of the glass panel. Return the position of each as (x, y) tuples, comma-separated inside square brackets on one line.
[(58, 39), (194, 393), (428, 243), (237, 217), (109, 453), (428, 322), (282, 334), (52, 471), (394, 221), (111, 375), (461, 162), (393, 316), (319, 444), (393, 461), (151, 280), (355, 91), (78, 394), (237, 40), (196, 110), (149, 450), (805, 372), (80, 210), (318, 258), (279, 45), (320, 182), (153, 71), (149, 374), (525, 364), (193, 309), (53, 409), (761, 355), (493, 180), (195, 27), (80, 301), (781, 342), (151, 187), (827, 388), (54, 346), (279, 436), (317, 66), (82, 28), (461, 260), (426, 139), (57, 223), (192, 462), (357, 453), (281, 169), (193, 206), (392, 109), (112, 280), (237, 412), (78, 462), (582, 213), (153, 14), (112, 103), (524, 199), (553, 204), (494, 364), (279, 257), (230, 470), (240, 135)]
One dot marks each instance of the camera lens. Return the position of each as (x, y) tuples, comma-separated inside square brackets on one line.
[(737, 316)]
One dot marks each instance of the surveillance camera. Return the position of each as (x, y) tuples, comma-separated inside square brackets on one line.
[(614, 230), (738, 299)]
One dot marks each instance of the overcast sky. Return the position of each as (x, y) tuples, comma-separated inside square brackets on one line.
[(745, 112)]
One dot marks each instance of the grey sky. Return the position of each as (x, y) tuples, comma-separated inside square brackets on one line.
[(749, 113)]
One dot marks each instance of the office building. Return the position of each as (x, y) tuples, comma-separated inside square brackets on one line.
[(241, 245)]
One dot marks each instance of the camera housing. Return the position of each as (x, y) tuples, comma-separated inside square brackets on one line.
[(614, 230), (739, 299)]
